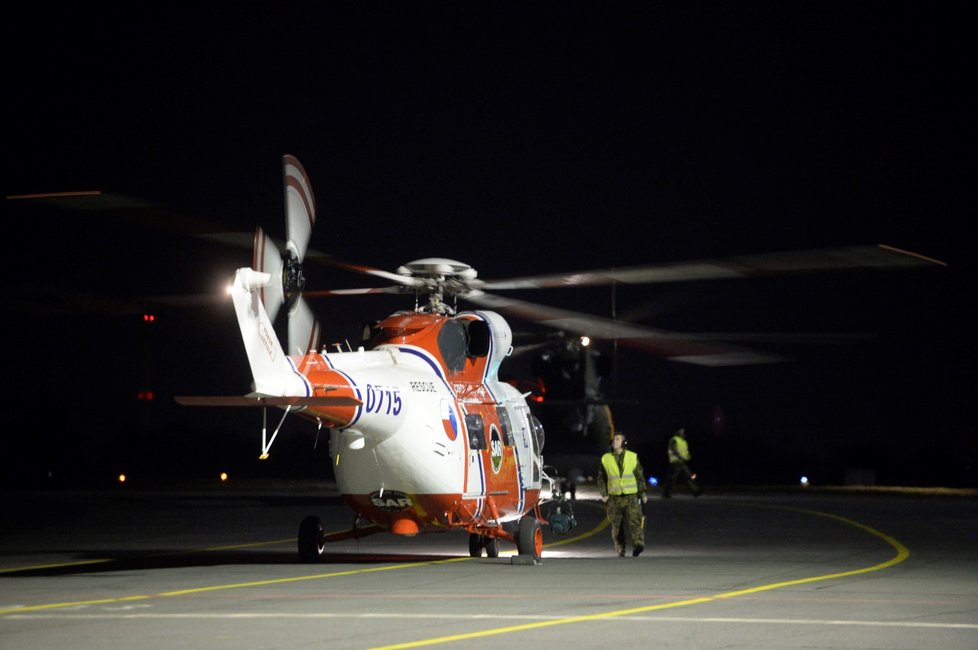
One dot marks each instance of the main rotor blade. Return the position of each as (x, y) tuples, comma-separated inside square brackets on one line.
[(741, 266), (331, 260), (671, 345), (322, 293)]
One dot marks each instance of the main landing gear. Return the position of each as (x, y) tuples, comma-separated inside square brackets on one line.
[(478, 542), (528, 538), (312, 539)]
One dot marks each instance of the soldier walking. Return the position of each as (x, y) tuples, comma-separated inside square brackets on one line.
[(678, 469), (622, 486)]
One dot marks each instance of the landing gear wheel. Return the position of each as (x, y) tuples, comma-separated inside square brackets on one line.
[(530, 538), (475, 545), (478, 542), (312, 546), (492, 546)]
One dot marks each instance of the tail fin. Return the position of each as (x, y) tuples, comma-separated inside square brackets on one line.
[(270, 366)]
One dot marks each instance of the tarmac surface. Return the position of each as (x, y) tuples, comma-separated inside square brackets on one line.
[(734, 568)]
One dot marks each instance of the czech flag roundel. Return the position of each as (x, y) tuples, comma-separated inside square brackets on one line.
[(449, 420)]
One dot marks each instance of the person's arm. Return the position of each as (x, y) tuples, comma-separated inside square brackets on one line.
[(602, 482), (640, 479)]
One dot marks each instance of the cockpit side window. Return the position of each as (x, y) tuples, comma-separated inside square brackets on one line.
[(453, 344), (538, 436), (504, 424)]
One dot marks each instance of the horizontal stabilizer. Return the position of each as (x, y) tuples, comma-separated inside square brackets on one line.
[(260, 400)]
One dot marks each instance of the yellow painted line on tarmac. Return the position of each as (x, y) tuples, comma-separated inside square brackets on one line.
[(238, 585), (231, 547), (901, 554), (243, 585), (604, 524), (62, 565), (316, 576), (55, 565)]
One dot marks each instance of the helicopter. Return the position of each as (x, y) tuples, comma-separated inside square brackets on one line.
[(424, 436)]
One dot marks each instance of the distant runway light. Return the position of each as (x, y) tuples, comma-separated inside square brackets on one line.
[(224, 476), (804, 481), (122, 478), (653, 481)]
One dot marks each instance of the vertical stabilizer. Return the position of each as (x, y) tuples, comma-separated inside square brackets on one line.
[(270, 367)]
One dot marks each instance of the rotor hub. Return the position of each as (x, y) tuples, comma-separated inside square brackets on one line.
[(437, 277), (293, 279)]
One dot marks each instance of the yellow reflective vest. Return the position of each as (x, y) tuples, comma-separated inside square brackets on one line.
[(678, 449), (621, 481)]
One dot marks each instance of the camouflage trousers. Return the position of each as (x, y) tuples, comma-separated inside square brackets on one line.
[(626, 510)]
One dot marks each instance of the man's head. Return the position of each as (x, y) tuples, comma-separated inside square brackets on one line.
[(618, 442), (681, 431)]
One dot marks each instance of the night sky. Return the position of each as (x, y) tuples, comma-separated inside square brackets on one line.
[(520, 138)]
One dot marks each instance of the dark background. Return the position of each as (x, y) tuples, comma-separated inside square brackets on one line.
[(520, 138)]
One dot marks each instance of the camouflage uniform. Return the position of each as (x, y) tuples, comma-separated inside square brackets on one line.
[(625, 507)]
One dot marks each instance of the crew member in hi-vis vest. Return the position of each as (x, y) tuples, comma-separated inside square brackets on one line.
[(621, 482)]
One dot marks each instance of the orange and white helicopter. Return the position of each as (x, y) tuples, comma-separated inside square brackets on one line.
[(423, 435)]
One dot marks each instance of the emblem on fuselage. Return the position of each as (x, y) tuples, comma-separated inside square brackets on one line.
[(495, 449), (449, 420), (391, 501)]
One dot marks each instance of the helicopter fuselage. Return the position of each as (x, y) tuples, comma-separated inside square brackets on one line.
[(436, 440)]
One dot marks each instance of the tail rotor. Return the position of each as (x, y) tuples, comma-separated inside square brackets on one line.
[(288, 280)]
